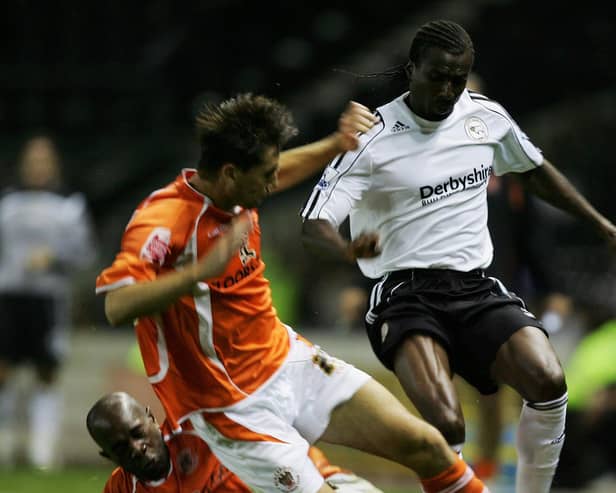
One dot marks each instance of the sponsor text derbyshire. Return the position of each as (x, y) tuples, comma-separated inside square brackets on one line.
[(478, 176)]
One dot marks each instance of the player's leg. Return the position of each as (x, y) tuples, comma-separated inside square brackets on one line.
[(44, 408), (405, 326), (374, 421), (260, 447), (422, 367), (8, 404), (10, 356), (45, 416), (342, 480), (258, 440), (528, 363)]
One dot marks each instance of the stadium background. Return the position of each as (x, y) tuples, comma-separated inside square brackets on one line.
[(116, 85)]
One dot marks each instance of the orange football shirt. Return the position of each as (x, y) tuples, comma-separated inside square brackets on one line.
[(194, 469), (213, 348)]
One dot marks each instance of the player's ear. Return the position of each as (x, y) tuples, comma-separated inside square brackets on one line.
[(150, 414), (228, 171)]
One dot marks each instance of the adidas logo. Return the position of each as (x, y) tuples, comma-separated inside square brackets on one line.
[(400, 127)]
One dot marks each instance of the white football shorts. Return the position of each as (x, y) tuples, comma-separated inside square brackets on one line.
[(264, 439)]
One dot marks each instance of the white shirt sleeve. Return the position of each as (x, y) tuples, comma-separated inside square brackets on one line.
[(340, 188), (515, 153)]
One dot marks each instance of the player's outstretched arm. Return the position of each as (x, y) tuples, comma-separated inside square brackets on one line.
[(552, 186), (301, 162), (124, 304)]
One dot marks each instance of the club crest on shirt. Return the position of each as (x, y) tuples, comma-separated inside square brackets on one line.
[(247, 253), (156, 247), (286, 479), (476, 128)]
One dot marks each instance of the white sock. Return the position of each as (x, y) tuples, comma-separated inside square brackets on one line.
[(8, 403), (540, 437), (45, 422)]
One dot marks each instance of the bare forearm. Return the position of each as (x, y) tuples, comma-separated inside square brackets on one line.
[(295, 165), (147, 298), (320, 238), (302, 162), (552, 186)]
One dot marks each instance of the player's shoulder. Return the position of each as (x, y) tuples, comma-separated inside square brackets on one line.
[(478, 101), (120, 481), (386, 115), (166, 206), (395, 119)]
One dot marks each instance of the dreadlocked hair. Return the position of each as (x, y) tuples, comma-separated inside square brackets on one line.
[(447, 35), (239, 130), (392, 72)]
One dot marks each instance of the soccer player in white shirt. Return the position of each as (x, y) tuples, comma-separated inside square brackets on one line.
[(415, 193)]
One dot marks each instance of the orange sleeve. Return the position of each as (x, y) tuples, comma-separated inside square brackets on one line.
[(148, 246)]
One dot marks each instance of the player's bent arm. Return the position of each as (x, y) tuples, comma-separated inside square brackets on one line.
[(321, 238), (552, 186), (124, 304), (297, 164), (147, 298)]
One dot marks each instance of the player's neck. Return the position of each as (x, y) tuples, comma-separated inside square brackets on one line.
[(213, 191), (422, 114)]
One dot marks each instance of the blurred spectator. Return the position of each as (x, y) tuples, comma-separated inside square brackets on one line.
[(45, 235)]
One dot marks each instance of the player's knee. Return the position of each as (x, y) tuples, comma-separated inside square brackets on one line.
[(451, 425), (427, 454), (549, 384)]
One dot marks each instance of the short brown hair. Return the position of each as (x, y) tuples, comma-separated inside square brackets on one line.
[(240, 129)]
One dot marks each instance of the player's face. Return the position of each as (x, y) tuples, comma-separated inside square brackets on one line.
[(135, 443), (437, 81), (257, 183), (39, 166)]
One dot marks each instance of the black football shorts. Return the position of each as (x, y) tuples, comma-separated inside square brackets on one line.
[(470, 314)]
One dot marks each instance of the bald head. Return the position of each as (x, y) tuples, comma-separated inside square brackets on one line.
[(110, 411), (127, 433)]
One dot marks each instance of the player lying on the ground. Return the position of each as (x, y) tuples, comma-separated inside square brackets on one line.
[(152, 459)]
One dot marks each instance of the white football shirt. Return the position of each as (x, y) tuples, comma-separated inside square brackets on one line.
[(421, 185)]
